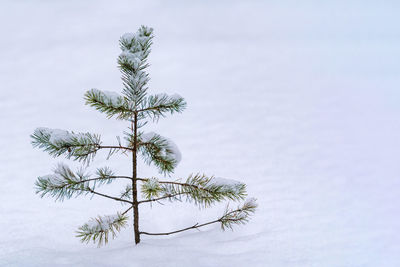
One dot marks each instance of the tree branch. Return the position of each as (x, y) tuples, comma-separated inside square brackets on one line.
[(196, 225), (115, 147), (175, 183), (107, 196), (127, 210), (100, 178), (169, 182), (164, 197), (184, 229)]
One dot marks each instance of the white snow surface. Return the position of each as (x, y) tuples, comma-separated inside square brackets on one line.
[(297, 99)]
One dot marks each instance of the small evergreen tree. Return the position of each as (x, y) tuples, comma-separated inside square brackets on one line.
[(136, 107)]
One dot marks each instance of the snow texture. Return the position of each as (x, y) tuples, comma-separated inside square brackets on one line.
[(138, 37), (135, 54), (111, 98), (128, 37), (146, 137), (57, 136), (101, 223), (57, 178), (134, 59), (226, 184), (297, 99), (171, 150), (140, 78), (54, 179), (174, 151), (175, 97), (251, 202)]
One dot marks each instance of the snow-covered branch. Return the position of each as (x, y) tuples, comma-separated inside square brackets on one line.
[(64, 183), (133, 61), (156, 106), (200, 189), (110, 103), (98, 229), (79, 146), (160, 151)]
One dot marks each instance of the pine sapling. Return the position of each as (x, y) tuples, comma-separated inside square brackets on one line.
[(137, 108)]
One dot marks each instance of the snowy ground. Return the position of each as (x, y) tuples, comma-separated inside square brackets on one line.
[(299, 99)]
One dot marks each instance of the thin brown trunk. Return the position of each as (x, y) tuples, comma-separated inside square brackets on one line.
[(134, 183)]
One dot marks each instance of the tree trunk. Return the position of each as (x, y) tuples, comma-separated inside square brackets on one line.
[(134, 184)]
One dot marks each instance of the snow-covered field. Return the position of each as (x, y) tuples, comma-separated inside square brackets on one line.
[(299, 99)]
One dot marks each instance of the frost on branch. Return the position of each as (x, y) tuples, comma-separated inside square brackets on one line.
[(160, 151), (98, 229), (135, 42), (111, 103), (228, 186), (200, 189), (79, 146), (133, 60), (169, 150), (57, 136), (156, 106), (111, 98), (63, 183)]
